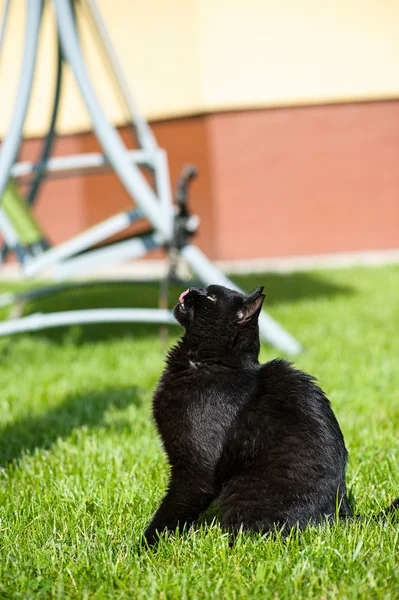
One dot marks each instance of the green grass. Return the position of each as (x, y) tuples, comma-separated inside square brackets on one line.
[(82, 469)]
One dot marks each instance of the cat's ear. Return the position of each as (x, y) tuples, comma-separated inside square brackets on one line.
[(256, 293), (252, 305)]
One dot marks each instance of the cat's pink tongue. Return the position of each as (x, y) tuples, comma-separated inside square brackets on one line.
[(181, 297)]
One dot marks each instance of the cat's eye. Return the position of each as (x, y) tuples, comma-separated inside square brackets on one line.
[(212, 298)]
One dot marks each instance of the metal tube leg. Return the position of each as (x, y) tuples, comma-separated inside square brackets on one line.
[(12, 142), (111, 142), (3, 25), (78, 243), (74, 317), (102, 257), (145, 136), (162, 183), (270, 330)]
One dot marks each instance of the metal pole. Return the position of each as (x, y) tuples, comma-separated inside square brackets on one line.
[(102, 257), (75, 164), (78, 243), (129, 174), (145, 136), (162, 184), (4, 22), (10, 147), (80, 317)]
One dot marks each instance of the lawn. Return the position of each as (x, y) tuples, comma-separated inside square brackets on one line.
[(82, 468)]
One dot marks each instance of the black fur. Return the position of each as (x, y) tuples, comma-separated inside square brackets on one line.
[(262, 439)]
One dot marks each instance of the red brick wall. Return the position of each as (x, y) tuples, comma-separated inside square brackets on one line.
[(306, 180), (272, 182)]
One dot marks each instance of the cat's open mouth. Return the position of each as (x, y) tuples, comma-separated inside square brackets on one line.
[(181, 309), (182, 295)]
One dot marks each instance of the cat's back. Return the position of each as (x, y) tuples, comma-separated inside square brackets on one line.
[(294, 398), (289, 415), (287, 457)]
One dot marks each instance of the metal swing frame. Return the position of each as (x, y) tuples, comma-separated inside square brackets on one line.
[(172, 227)]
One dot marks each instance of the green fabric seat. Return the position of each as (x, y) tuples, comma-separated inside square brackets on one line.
[(19, 215)]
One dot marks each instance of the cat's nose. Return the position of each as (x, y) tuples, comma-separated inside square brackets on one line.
[(197, 291)]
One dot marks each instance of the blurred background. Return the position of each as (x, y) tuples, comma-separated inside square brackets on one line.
[(289, 109)]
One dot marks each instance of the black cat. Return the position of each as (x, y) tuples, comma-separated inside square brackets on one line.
[(262, 439)]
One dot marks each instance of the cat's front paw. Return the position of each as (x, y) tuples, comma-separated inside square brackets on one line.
[(150, 537)]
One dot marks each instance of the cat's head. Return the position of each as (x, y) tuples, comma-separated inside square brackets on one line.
[(221, 314)]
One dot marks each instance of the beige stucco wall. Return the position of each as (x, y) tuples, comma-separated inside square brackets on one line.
[(189, 56)]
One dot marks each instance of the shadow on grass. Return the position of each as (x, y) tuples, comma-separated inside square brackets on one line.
[(282, 288), (42, 431), (279, 289)]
